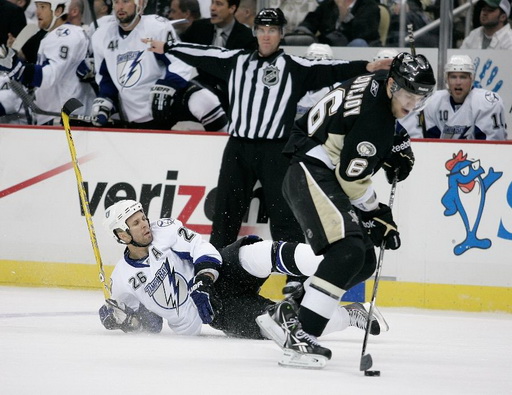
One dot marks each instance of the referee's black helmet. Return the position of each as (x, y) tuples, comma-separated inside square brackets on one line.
[(413, 73), (270, 17)]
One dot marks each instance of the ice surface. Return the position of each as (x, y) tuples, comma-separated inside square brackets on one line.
[(52, 342)]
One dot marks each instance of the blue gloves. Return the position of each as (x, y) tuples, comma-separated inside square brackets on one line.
[(10, 63), (202, 295), (101, 110), (116, 315)]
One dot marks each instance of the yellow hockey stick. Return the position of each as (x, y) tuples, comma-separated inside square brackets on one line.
[(68, 108)]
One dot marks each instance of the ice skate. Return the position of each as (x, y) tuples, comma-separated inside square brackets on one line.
[(274, 324), (302, 350), (358, 313)]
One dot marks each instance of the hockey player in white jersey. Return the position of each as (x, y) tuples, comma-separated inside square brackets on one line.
[(146, 89), (169, 272), (460, 111), (59, 54)]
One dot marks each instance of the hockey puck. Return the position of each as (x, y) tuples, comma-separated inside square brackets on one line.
[(372, 372)]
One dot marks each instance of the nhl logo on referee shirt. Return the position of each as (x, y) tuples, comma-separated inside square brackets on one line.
[(270, 75)]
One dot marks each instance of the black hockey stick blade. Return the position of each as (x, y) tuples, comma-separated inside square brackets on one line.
[(366, 362), (71, 105)]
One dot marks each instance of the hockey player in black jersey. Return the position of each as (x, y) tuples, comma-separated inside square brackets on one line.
[(335, 150)]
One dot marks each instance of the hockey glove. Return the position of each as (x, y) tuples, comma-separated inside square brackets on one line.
[(101, 110), (162, 97), (202, 295), (10, 63), (401, 159), (116, 315), (85, 70), (380, 226)]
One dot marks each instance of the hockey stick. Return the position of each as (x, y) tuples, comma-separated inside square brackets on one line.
[(421, 115), (366, 359), (68, 108), (28, 101)]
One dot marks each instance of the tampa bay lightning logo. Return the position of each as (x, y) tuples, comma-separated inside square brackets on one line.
[(63, 32), (169, 288), (129, 68), (467, 189)]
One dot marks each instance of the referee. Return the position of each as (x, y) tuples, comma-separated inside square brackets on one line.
[(264, 86)]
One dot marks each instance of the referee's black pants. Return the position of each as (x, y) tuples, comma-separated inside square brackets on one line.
[(244, 162)]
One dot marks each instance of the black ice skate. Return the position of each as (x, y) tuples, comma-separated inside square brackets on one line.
[(301, 349), (358, 313), (275, 323)]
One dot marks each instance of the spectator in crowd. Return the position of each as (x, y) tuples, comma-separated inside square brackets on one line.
[(221, 30), (184, 9), (60, 52), (294, 11), (495, 31), (147, 90), (415, 16), (246, 12), (265, 87), (460, 111), (352, 23), (12, 20)]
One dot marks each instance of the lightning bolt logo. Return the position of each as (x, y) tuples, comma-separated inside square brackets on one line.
[(174, 298), (129, 68)]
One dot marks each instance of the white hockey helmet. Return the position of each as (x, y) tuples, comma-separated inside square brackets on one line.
[(461, 64), (54, 4), (117, 215), (387, 53), (319, 51)]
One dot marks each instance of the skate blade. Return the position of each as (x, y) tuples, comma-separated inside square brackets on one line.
[(271, 329), (294, 359), (384, 327)]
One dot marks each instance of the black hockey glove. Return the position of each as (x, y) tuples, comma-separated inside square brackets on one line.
[(204, 298), (380, 226), (161, 97), (116, 315), (401, 159)]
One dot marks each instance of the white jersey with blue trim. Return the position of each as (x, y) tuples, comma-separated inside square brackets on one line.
[(123, 59), (161, 280), (480, 117), (60, 52)]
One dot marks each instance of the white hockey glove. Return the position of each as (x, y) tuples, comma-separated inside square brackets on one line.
[(380, 226), (161, 97), (204, 298), (401, 159), (85, 70), (10, 63), (116, 315), (101, 110)]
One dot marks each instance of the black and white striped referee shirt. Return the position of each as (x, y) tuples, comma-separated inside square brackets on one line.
[(264, 92)]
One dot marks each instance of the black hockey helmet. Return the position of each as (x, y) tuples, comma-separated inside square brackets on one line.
[(413, 73), (270, 17)]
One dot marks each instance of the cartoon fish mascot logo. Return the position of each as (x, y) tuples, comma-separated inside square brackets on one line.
[(467, 189)]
